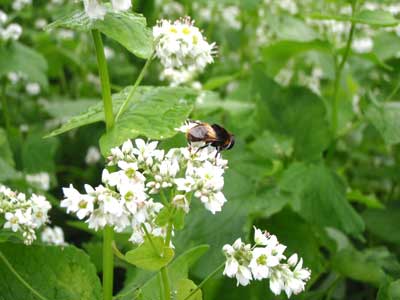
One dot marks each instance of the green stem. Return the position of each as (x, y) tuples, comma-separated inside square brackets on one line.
[(150, 240), (164, 270), (108, 263), (393, 93), (108, 233), (19, 277), (165, 282), (339, 70), (104, 79), (4, 107), (211, 275), (139, 79)]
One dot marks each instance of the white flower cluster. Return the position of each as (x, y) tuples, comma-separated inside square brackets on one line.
[(96, 10), (53, 236), (22, 214), (40, 180), (141, 175), (20, 4), (265, 260), (182, 50), (12, 31), (17, 78)]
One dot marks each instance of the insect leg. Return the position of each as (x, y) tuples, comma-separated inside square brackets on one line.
[(200, 148)]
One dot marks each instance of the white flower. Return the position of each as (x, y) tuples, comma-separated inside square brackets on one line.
[(180, 201), (12, 32), (40, 23), (363, 45), (32, 88), (3, 17), (182, 49), (246, 263), (121, 5), (53, 236), (41, 180), (23, 215), (185, 184), (187, 126), (260, 238), (20, 4), (92, 155), (109, 52), (94, 9), (13, 77), (14, 220)]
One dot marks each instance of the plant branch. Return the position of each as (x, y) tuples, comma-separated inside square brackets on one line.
[(108, 232), (4, 106), (211, 275), (338, 75), (22, 280), (132, 91)]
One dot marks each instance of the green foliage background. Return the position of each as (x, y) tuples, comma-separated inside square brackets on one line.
[(331, 196)]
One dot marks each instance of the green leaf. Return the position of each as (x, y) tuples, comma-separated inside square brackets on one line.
[(386, 45), (128, 29), (7, 172), (16, 57), (184, 287), (368, 200), (277, 55), (152, 255), (384, 223), (5, 150), (155, 113), (272, 146), (369, 17), (320, 197), (150, 289), (295, 113), (57, 273), (294, 29), (356, 265), (389, 291), (38, 154), (219, 81), (64, 108), (386, 119)]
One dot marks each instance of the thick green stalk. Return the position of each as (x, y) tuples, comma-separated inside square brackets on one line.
[(104, 79), (165, 282), (108, 233), (211, 275), (338, 76), (139, 79)]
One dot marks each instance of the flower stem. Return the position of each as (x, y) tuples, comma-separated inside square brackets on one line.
[(108, 232), (338, 75), (211, 275), (164, 270), (129, 98), (22, 280), (104, 79)]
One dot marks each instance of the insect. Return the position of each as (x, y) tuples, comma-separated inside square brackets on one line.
[(214, 135)]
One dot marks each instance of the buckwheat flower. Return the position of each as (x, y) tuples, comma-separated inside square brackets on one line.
[(109, 52), (3, 17), (13, 77), (182, 49), (14, 220), (121, 5), (53, 236), (23, 215), (237, 263), (260, 238), (20, 4), (362, 45), (92, 155), (32, 88), (12, 32), (94, 9), (265, 260), (40, 180), (40, 23), (144, 151), (180, 201)]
